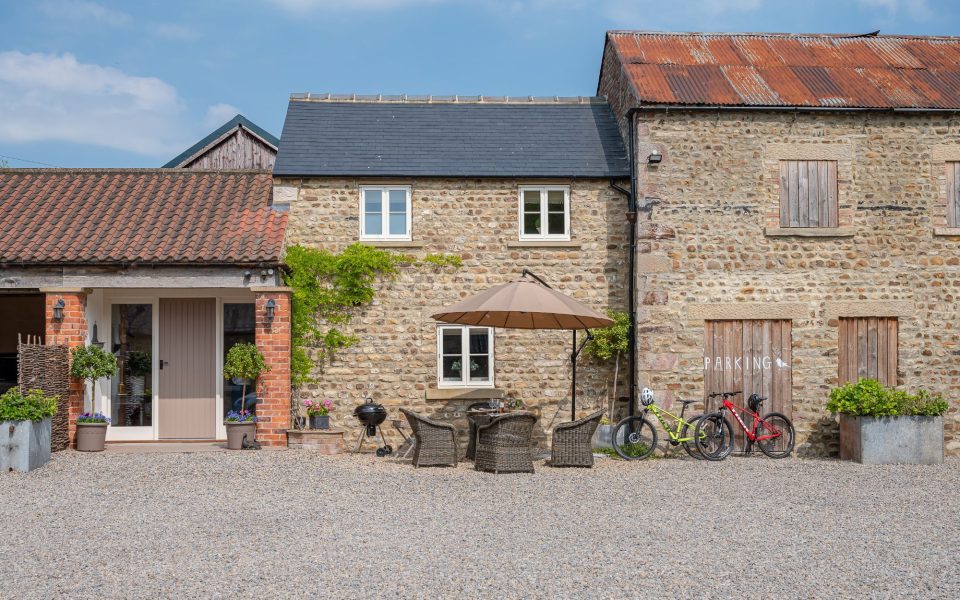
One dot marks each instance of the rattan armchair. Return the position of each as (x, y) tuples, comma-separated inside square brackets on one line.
[(435, 442), (573, 442), (503, 444)]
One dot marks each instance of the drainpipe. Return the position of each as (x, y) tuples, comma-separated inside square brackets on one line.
[(631, 195), (632, 262)]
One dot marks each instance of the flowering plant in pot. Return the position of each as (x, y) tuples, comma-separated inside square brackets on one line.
[(319, 412), (91, 363), (246, 363)]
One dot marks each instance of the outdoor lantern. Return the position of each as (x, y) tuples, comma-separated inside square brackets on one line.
[(94, 340), (655, 158), (271, 309), (58, 310)]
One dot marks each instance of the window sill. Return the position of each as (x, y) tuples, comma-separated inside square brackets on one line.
[(811, 232), (947, 231), (465, 393), (392, 243), (543, 244)]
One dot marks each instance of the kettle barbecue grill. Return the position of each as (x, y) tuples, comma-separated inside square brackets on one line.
[(371, 415)]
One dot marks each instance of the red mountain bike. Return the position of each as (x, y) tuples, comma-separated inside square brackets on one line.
[(773, 432)]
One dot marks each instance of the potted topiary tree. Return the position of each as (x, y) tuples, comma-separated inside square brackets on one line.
[(609, 343), (880, 425), (91, 363), (244, 363), (25, 423)]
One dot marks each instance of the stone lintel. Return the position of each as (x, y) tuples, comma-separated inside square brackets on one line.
[(947, 231), (65, 290), (736, 311), (869, 308), (463, 394), (818, 232), (808, 151), (945, 153), (270, 289)]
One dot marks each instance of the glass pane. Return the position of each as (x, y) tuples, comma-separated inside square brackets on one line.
[(452, 342), (531, 201), (555, 200), (556, 223), (373, 224), (398, 201), (531, 224), (452, 368), (398, 224), (480, 341), (238, 326), (479, 368), (372, 201), (131, 390)]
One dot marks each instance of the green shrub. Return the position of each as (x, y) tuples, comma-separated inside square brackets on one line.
[(869, 398), (35, 406)]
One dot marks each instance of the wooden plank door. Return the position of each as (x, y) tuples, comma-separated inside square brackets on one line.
[(868, 350), (753, 356), (187, 375)]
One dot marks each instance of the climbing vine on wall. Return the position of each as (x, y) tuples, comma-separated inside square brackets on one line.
[(327, 289)]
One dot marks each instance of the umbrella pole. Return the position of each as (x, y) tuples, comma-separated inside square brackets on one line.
[(574, 353)]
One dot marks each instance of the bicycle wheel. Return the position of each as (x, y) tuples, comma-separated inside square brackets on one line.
[(634, 438), (687, 431), (714, 436), (780, 446)]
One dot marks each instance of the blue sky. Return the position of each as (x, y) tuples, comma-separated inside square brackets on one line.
[(87, 83)]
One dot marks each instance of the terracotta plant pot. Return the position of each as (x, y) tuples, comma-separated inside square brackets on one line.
[(91, 437), (236, 433), (319, 421)]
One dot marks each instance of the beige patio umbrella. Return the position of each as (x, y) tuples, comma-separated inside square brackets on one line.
[(528, 303)]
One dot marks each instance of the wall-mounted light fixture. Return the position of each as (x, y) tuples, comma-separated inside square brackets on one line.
[(655, 158), (58, 310), (271, 307), (94, 340)]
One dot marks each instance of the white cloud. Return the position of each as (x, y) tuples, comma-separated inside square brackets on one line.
[(54, 97), (82, 10), (303, 6), (218, 114), (918, 10), (175, 31)]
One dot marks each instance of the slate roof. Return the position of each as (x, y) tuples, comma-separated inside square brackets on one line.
[(435, 138), (124, 216), (792, 70), (237, 121)]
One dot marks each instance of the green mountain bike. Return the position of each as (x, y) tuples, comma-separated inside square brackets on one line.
[(635, 438)]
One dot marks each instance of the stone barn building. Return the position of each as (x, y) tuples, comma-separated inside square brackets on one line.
[(798, 214)]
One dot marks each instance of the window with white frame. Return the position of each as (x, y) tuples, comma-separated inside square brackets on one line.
[(385, 213), (545, 213), (464, 356)]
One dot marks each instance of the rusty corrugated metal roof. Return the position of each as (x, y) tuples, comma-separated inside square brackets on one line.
[(764, 69)]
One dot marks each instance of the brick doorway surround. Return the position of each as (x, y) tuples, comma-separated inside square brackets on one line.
[(273, 340)]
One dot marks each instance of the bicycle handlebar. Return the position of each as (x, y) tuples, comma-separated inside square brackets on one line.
[(724, 394)]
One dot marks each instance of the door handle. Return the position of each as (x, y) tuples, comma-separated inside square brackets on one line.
[(161, 364)]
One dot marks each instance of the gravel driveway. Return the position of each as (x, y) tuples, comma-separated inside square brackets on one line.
[(290, 524)]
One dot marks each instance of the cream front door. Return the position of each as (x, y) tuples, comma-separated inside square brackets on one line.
[(187, 368)]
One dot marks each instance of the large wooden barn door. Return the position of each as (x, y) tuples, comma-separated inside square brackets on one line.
[(868, 349), (751, 356)]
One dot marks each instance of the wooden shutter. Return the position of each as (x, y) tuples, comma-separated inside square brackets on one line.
[(953, 194), (868, 349), (808, 193)]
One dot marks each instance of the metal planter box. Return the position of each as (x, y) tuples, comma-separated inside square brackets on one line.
[(603, 436), (891, 440), (24, 445)]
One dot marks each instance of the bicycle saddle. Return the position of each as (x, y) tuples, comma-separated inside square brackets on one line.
[(686, 402)]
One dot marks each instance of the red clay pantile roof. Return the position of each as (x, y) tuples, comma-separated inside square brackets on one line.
[(156, 216), (764, 69)]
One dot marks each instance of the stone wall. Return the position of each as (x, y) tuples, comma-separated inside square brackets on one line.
[(395, 361), (709, 236)]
